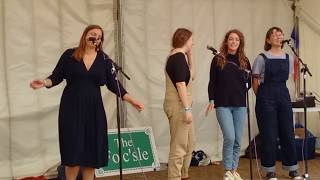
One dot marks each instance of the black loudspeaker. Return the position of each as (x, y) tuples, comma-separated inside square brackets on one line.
[(310, 102), (310, 142)]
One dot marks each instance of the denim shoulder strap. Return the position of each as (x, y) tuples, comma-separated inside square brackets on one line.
[(264, 56)]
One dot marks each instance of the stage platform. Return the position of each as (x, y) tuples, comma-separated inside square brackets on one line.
[(215, 172)]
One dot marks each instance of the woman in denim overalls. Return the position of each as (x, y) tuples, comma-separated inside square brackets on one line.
[(273, 105)]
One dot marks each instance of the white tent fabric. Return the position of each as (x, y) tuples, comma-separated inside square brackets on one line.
[(309, 29), (33, 34)]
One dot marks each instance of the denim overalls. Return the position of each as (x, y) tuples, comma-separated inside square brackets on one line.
[(274, 115)]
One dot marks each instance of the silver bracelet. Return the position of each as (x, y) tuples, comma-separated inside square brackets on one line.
[(187, 109)]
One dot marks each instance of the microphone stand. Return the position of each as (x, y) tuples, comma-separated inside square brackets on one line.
[(115, 69), (247, 78), (119, 68), (304, 70)]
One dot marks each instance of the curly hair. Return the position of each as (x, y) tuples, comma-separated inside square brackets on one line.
[(180, 37), (240, 51)]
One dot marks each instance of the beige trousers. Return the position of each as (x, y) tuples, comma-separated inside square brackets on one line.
[(182, 141)]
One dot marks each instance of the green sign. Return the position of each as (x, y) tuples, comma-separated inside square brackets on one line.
[(138, 152)]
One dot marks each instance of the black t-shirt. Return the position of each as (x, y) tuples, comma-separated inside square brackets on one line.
[(178, 69)]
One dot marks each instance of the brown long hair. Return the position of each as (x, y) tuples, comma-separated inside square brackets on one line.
[(180, 37), (267, 46), (240, 51), (79, 52)]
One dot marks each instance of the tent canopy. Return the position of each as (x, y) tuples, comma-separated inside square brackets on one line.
[(35, 33)]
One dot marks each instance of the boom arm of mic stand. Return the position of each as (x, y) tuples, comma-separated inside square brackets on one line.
[(305, 67), (305, 147), (115, 65), (119, 68)]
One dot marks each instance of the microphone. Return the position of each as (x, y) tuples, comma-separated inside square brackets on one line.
[(247, 71), (285, 41), (246, 76), (214, 51), (113, 69), (92, 39)]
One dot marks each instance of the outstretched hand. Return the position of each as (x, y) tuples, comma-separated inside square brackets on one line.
[(37, 83), (136, 104), (209, 108)]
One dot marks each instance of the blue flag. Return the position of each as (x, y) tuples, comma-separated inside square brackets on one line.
[(295, 37)]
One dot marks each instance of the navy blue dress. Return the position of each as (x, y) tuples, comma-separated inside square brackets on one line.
[(82, 119)]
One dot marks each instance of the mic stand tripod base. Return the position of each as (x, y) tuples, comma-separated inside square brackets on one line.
[(306, 177)]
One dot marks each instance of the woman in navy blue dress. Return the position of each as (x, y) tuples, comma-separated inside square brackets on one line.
[(82, 119)]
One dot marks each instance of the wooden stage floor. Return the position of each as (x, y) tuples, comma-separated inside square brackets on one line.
[(215, 172)]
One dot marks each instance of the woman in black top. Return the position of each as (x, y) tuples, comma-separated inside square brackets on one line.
[(177, 104), (227, 93), (82, 119)]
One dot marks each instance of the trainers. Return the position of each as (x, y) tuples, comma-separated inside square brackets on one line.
[(228, 176), (236, 176), (271, 176), (295, 175)]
